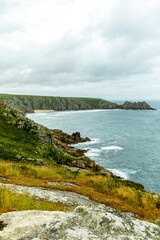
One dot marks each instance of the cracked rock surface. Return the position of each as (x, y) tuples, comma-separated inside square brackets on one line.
[(84, 223), (88, 220)]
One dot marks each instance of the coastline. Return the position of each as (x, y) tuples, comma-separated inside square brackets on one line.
[(55, 161)]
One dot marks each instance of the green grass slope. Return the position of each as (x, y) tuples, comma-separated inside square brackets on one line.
[(22, 140), (28, 103)]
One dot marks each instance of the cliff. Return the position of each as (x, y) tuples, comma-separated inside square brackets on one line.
[(27, 103), (136, 106), (23, 140)]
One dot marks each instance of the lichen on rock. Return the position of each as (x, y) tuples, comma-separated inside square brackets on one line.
[(85, 222)]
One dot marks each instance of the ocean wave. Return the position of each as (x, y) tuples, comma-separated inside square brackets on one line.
[(119, 173), (132, 172), (29, 115), (92, 152), (114, 147), (125, 173), (68, 112), (93, 141), (89, 111)]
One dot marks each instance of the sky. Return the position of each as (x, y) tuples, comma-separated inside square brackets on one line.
[(87, 48)]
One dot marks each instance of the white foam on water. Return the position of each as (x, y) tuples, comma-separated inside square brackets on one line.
[(91, 154), (132, 171), (89, 111), (125, 173), (119, 173), (68, 112), (58, 114), (93, 141), (114, 147), (94, 152)]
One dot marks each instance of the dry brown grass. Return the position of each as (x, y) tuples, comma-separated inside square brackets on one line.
[(99, 188), (10, 201)]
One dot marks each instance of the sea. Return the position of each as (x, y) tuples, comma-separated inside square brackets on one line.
[(127, 142)]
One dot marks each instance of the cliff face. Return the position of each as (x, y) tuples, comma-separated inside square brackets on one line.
[(136, 105), (26, 103), (23, 140), (30, 103)]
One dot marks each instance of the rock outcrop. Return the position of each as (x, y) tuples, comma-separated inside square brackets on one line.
[(69, 139), (87, 223), (63, 140), (19, 120), (136, 106), (88, 220)]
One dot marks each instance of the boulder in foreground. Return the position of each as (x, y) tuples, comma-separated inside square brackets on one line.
[(85, 223)]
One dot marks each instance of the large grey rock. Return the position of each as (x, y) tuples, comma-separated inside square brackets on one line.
[(88, 220), (84, 223)]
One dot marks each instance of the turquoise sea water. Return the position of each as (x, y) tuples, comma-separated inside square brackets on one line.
[(125, 141)]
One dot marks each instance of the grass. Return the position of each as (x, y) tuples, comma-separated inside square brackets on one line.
[(10, 201), (16, 141), (30, 102), (112, 192)]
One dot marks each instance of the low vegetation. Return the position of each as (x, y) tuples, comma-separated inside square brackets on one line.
[(22, 143), (10, 201), (15, 142), (27, 103), (113, 192)]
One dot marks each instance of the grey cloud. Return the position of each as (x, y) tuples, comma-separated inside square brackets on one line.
[(112, 53), (6, 5)]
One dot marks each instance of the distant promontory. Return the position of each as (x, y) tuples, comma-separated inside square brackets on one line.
[(28, 103)]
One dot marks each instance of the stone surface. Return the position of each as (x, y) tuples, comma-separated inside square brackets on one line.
[(4, 179), (63, 184), (88, 220), (84, 223), (65, 197)]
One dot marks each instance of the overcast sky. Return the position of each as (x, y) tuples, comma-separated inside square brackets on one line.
[(105, 49)]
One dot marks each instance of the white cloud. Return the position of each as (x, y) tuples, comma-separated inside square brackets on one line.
[(82, 48)]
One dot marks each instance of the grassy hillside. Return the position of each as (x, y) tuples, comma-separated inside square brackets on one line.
[(22, 140), (28, 103), (113, 192), (29, 156)]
